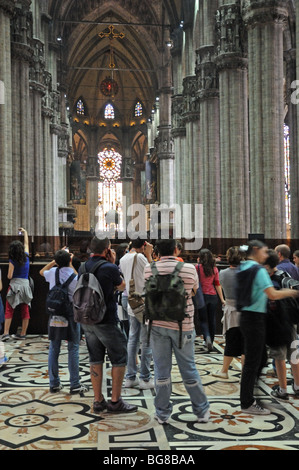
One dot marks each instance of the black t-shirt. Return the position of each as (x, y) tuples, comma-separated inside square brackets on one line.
[(109, 277)]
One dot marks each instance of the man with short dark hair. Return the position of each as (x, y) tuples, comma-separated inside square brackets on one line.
[(61, 328), (165, 340), (137, 331), (285, 263), (107, 336)]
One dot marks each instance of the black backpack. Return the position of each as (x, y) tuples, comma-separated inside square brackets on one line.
[(58, 302), (165, 297), (89, 305), (244, 281)]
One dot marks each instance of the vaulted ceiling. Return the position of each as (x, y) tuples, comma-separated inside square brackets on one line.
[(142, 28)]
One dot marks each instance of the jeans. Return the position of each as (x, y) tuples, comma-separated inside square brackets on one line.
[(73, 360), (211, 304), (164, 342), (137, 335), (253, 329), (125, 319)]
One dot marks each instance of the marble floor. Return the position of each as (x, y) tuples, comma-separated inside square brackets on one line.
[(31, 418)]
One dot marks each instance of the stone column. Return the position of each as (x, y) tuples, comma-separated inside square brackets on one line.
[(190, 172), (209, 143), (92, 178), (165, 145), (291, 120), (22, 161), (234, 145), (265, 24), (295, 168), (7, 190), (38, 91), (48, 164)]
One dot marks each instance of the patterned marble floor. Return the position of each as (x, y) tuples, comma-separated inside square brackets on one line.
[(33, 419)]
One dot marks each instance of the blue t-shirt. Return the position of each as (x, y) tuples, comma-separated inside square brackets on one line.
[(289, 267), (21, 271), (261, 282), (109, 277)]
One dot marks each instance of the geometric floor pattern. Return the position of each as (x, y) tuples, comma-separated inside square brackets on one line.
[(31, 418)]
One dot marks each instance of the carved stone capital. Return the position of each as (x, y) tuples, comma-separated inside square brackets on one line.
[(21, 52), (8, 6), (257, 12), (229, 30), (231, 62)]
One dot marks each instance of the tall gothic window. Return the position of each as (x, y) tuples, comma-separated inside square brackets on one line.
[(80, 108), (109, 112), (110, 191), (287, 173), (138, 109)]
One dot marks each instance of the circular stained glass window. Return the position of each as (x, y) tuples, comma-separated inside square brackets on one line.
[(110, 165), (109, 87)]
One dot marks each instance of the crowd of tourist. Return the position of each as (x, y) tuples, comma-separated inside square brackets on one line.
[(250, 291)]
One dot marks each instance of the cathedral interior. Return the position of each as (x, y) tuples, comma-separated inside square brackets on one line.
[(107, 106)]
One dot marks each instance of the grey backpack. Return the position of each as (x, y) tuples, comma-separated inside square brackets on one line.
[(88, 300)]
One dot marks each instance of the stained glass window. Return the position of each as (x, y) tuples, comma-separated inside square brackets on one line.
[(110, 191), (80, 108), (138, 109), (287, 173), (109, 112)]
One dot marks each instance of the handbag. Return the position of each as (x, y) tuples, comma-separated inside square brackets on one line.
[(136, 300)]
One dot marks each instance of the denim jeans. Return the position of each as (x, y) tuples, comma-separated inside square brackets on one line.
[(73, 360), (211, 304), (164, 342), (137, 335), (253, 329)]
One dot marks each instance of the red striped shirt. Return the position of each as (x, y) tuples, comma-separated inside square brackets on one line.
[(166, 265)]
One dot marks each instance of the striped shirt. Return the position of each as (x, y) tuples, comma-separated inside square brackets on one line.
[(166, 265)]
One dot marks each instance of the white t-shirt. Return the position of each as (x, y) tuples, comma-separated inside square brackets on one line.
[(126, 264), (64, 274)]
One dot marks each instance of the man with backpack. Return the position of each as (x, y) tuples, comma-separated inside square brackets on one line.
[(106, 335), (283, 349), (62, 279), (141, 253), (173, 283)]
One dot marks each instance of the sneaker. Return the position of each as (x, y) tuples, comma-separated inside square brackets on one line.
[(161, 421), (278, 394), (146, 384), (80, 389), (130, 383), (209, 344), (17, 336), (205, 418), (56, 389), (99, 406), (256, 409), (121, 406), (296, 392), (221, 375), (5, 338)]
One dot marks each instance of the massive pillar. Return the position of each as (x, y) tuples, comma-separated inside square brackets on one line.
[(165, 140), (22, 162), (209, 142), (7, 189), (265, 23), (233, 89), (295, 143)]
